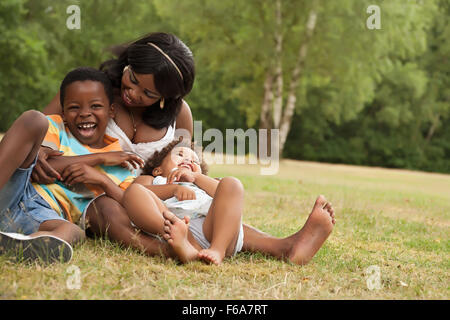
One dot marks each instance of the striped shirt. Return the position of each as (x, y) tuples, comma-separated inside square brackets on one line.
[(70, 202)]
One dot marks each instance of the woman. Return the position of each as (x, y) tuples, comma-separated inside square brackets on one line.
[(151, 77)]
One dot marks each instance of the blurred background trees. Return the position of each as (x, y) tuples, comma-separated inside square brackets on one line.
[(337, 91)]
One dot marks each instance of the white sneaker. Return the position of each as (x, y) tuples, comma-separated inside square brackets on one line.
[(45, 248)]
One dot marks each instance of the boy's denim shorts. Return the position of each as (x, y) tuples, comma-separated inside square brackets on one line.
[(22, 209)]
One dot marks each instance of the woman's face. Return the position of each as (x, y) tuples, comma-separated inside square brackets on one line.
[(138, 90)]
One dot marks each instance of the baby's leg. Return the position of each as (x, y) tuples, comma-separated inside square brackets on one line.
[(180, 238), (222, 224), (144, 208), (20, 145)]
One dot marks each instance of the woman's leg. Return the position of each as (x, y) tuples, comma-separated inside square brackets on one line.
[(106, 217), (300, 247)]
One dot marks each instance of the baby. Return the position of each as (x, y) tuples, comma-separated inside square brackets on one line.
[(200, 217)]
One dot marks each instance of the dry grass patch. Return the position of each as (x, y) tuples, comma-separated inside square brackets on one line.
[(396, 220)]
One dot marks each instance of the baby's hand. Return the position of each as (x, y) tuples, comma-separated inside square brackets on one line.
[(181, 175), (184, 193)]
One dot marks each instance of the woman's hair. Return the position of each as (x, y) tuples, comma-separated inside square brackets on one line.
[(85, 74), (146, 59), (158, 157)]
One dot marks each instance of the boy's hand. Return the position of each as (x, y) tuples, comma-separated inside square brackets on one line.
[(82, 173), (184, 193), (122, 159), (181, 175), (43, 172)]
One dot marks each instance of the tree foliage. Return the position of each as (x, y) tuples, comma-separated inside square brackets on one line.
[(369, 97)]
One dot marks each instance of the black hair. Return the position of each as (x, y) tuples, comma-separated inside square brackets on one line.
[(85, 74), (145, 59)]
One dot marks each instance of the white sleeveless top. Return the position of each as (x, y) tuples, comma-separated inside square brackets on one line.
[(143, 149)]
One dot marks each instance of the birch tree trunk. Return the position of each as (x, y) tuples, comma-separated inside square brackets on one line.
[(265, 119), (295, 80), (278, 99)]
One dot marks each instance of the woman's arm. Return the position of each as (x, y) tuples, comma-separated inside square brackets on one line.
[(54, 107), (185, 121)]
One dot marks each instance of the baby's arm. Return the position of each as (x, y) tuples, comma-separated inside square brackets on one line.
[(208, 184), (166, 191)]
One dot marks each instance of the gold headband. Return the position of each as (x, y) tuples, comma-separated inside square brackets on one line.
[(167, 57)]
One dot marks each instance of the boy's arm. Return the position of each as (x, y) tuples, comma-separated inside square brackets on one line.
[(112, 190), (62, 162), (83, 173), (112, 158)]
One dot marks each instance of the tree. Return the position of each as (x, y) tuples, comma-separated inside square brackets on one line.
[(273, 53)]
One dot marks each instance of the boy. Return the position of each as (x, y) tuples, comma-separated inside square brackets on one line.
[(201, 218), (46, 214)]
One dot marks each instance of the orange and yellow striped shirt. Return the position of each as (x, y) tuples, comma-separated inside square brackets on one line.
[(70, 202)]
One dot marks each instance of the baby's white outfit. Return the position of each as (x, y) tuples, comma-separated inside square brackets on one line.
[(197, 210), (192, 208)]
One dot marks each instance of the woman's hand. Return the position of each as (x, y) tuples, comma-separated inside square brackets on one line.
[(123, 159), (184, 193), (43, 172)]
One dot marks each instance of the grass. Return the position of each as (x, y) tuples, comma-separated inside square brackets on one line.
[(395, 219)]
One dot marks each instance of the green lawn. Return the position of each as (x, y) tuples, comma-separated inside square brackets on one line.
[(394, 219)]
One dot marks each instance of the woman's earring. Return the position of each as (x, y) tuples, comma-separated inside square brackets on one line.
[(161, 103)]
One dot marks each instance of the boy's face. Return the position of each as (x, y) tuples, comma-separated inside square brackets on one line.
[(180, 157), (86, 112)]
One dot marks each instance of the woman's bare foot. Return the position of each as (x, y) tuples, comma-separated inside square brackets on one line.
[(211, 256), (176, 234), (307, 241)]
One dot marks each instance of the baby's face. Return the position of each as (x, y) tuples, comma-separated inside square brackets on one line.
[(180, 157)]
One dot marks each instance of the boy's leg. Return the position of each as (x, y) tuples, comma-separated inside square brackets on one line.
[(20, 145), (51, 243), (18, 151), (62, 229), (222, 224), (144, 209)]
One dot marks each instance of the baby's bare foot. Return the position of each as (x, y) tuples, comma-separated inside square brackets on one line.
[(211, 256), (176, 234), (307, 241)]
